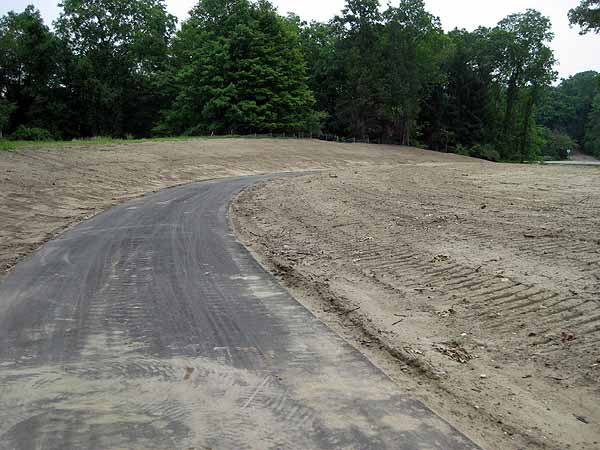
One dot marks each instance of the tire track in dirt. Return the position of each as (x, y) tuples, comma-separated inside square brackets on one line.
[(432, 260), (150, 326)]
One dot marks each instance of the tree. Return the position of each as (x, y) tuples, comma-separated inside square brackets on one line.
[(6, 110), (119, 49), (462, 109), (525, 65), (359, 57), (30, 71), (554, 144), (413, 50), (318, 42), (587, 16), (592, 133), (238, 68), (566, 107)]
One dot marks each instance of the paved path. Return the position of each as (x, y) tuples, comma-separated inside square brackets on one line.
[(150, 327), (573, 163)]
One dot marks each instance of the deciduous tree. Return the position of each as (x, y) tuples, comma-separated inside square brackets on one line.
[(587, 16), (119, 47)]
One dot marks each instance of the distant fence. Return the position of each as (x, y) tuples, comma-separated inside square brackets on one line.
[(329, 138)]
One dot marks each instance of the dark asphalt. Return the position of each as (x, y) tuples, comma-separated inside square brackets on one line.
[(151, 327)]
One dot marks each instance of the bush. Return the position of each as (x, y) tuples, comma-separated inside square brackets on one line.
[(554, 144), (23, 133), (485, 151)]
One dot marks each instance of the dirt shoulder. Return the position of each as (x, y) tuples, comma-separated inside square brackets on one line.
[(42, 191), (475, 286)]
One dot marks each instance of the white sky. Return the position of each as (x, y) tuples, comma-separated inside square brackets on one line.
[(575, 53)]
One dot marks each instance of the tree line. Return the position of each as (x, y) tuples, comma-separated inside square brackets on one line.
[(121, 68)]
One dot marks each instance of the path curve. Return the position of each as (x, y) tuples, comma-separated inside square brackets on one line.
[(151, 327)]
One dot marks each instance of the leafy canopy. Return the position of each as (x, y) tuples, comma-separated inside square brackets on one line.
[(587, 16)]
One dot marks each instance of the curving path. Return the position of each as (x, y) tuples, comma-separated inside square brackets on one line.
[(151, 327)]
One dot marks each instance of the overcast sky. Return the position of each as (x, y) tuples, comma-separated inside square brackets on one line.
[(575, 53)]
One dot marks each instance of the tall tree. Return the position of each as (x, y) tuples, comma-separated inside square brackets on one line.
[(359, 58), (587, 16), (567, 106), (413, 49), (318, 42), (30, 70), (462, 110), (525, 65), (238, 67), (119, 49), (592, 134)]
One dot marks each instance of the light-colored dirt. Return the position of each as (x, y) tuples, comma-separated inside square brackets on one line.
[(44, 190), (474, 285), (448, 259)]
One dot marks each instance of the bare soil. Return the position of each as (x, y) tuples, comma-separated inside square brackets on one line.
[(475, 286), (42, 191)]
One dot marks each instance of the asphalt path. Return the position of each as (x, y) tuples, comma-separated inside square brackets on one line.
[(573, 163), (151, 327)]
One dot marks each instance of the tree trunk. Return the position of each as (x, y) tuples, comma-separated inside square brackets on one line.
[(527, 123)]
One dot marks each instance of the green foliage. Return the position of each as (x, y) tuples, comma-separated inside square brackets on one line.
[(485, 151), (238, 68), (30, 57), (413, 50), (592, 135), (587, 16), (118, 49), (117, 68), (318, 43), (6, 110), (554, 144), (23, 133), (524, 65), (566, 107), (464, 108)]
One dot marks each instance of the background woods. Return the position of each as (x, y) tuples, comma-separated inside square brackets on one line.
[(122, 68)]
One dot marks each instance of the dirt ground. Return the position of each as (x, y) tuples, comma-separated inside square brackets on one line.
[(476, 286), (42, 191)]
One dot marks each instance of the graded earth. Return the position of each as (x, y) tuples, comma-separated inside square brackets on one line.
[(472, 285)]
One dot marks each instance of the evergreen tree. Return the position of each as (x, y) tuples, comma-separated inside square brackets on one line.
[(359, 57), (318, 42), (238, 68), (462, 110)]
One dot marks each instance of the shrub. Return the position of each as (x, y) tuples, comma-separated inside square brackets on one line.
[(486, 151), (554, 144), (23, 133)]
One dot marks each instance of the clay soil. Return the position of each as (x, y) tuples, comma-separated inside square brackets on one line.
[(475, 286)]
